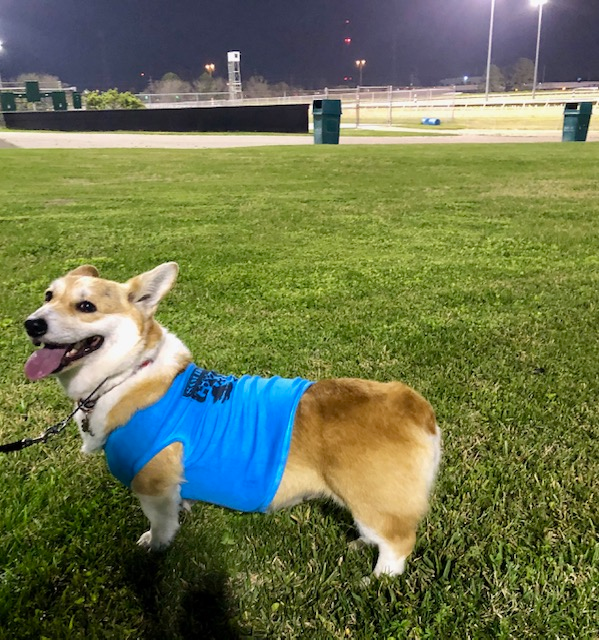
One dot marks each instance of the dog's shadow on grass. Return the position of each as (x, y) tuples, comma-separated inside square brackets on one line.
[(185, 595), (207, 611), (181, 600)]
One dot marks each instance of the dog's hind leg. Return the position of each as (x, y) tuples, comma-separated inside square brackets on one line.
[(157, 486), (395, 544)]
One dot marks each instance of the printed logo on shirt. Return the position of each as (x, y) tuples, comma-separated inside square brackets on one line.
[(203, 383)]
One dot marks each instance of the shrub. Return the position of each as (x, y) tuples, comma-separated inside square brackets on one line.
[(112, 99)]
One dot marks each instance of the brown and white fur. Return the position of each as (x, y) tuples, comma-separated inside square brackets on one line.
[(370, 446)]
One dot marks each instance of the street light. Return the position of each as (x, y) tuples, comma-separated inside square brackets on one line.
[(360, 64), (489, 52), (209, 69), (537, 3)]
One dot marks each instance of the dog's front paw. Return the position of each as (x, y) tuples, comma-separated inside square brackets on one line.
[(150, 542), (145, 540)]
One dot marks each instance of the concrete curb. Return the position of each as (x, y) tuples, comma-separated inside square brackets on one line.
[(67, 140)]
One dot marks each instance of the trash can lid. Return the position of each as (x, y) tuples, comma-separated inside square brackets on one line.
[(327, 107), (578, 107)]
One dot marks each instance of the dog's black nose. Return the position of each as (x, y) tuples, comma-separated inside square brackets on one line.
[(36, 328)]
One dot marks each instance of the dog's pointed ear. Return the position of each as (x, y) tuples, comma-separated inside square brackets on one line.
[(147, 289), (84, 270)]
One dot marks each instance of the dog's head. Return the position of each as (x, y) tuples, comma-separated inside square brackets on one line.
[(86, 320)]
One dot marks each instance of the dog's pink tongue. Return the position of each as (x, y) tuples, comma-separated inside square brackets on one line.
[(43, 362)]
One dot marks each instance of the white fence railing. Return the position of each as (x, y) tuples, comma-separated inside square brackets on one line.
[(379, 96)]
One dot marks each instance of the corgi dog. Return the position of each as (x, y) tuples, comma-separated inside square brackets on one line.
[(177, 433)]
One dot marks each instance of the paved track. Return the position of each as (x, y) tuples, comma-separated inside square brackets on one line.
[(59, 140)]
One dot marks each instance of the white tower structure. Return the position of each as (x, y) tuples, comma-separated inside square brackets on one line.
[(233, 59)]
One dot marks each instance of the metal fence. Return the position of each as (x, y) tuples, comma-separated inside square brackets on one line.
[(371, 95), (389, 106)]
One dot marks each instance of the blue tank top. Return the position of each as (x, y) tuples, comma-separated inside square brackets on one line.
[(235, 433)]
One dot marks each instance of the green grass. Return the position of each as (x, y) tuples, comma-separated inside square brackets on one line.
[(491, 118), (470, 272), (378, 133)]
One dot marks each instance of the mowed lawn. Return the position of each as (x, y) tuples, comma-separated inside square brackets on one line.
[(470, 272)]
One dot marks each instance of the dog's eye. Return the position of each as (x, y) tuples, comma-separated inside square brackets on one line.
[(86, 306), (48, 296)]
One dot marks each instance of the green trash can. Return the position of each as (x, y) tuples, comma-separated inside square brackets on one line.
[(7, 101), (76, 100), (327, 119), (577, 117), (59, 100)]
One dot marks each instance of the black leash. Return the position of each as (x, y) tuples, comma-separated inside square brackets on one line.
[(55, 429)]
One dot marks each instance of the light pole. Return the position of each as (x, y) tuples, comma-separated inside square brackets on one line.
[(360, 64), (537, 3), (209, 69), (489, 51), (0, 73)]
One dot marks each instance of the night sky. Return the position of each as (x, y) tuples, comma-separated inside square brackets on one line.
[(111, 42)]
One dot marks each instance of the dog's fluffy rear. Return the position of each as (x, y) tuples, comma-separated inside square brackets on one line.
[(374, 448)]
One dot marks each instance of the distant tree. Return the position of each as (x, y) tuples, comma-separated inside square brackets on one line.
[(112, 99), (282, 89), (521, 74), (45, 80), (256, 87), (209, 84), (169, 83), (496, 80)]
